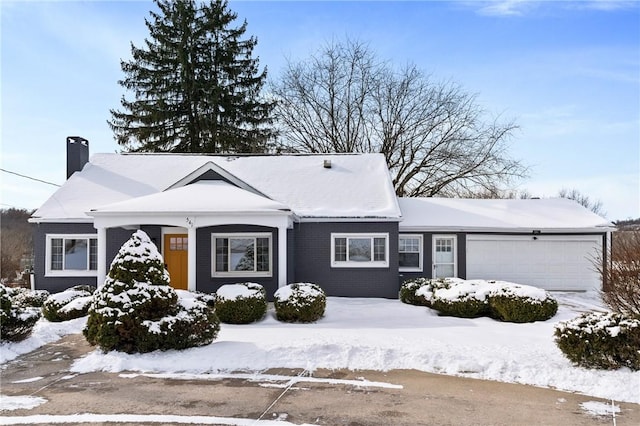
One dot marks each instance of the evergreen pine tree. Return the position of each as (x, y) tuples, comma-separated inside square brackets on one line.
[(196, 85)]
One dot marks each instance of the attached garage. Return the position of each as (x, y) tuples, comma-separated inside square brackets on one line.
[(547, 243), (552, 262)]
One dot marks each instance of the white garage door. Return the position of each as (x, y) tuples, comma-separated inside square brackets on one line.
[(549, 262)]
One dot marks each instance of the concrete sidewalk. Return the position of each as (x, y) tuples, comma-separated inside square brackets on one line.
[(424, 399)]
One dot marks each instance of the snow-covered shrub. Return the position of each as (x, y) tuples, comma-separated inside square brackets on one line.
[(463, 299), (409, 288), (300, 302), (136, 310), (16, 321), (194, 324), (25, 297), (600, 340), (521, 303), (427, 291), (206, 298), (500, 300), (241, 303), (67, 305)]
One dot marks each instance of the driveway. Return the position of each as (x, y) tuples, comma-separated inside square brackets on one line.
[(399, 397)]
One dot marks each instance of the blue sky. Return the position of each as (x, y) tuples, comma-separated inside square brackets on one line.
[(567, 72)]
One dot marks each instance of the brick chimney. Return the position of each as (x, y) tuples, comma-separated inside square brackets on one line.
[(77, 154)]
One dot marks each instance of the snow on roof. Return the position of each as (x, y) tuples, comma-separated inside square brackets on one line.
[(202, 196), (455, 214), (356, 186)]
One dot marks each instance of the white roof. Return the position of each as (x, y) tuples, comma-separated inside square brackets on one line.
[(455, 214), (356, 186), (202, 196)]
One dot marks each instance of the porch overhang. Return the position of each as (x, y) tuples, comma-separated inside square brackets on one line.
[(201, 204)]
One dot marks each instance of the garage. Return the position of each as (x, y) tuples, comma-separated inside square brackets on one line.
[(552, 262)]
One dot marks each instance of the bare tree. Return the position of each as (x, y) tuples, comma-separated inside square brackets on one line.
[(621, 273), (15, 240), (575, 195), (435, 137)]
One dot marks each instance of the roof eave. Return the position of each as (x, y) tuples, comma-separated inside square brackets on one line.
[(521, 230)]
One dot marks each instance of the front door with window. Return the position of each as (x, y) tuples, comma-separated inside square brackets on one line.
[(444, 256), (175, 256)]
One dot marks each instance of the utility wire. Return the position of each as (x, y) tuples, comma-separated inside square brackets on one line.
[(29, 177)]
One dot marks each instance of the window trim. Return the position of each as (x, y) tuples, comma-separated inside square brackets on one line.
[(420, 267), (242, 235), (70, 272), (354, 264)]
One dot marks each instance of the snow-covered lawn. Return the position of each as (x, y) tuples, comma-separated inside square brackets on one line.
[(379, 334)]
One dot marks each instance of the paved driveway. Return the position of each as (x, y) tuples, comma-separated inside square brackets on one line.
[(398, 397)]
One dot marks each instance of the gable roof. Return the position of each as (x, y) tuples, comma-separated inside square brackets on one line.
[(356, 185), (486, 215), (198, 197)]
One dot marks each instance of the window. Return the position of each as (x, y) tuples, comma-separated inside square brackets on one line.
[(71, 255), (359, 250), (410, 252), (241, 255)]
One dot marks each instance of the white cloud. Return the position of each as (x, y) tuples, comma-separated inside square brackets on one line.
[(505, 7), (521, 7)]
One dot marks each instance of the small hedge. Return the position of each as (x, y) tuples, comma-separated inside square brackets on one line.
[(424, 295), (241, 303), (600, 340), (16, 321), (512, 304), (300, 302), (463, 299), (409, 288), (500, 300), (67, 305), (29, 298)]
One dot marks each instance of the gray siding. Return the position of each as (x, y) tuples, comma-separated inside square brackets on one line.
[(56, 284), (115, 238), (204, 258), (427, 255), (313, 260)]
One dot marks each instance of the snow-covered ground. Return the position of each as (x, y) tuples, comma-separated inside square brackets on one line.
[(377, 334)]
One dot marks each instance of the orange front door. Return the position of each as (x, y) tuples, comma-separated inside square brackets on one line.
[(175, 256)]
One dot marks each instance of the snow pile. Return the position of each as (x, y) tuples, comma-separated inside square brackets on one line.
[(380, 334), (596, 408), (9, 403), (44, 332), (239, 291)]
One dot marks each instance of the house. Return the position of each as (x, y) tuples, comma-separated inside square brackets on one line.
[(332, 219)]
